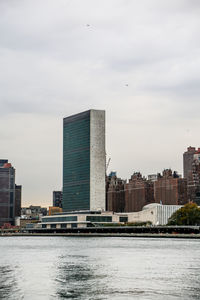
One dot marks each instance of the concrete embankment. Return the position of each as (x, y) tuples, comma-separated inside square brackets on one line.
[(133, 235)]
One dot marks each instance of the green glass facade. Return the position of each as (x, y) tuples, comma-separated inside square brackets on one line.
[(76, 162), (59, 219), (99, 218)]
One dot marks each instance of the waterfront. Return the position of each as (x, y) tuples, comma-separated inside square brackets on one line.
[(99, 268)]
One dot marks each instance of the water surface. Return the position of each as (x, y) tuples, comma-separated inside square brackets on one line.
[(99, 268)]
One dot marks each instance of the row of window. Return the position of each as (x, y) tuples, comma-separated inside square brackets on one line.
[(103, 219), (53, 226), (99, 218), (59, 219)]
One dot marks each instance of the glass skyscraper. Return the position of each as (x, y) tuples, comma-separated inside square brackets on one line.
[(84, 161)]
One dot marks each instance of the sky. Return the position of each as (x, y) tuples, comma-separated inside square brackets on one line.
[(137, 60)]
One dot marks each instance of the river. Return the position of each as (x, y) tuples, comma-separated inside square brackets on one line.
[(99, 268)]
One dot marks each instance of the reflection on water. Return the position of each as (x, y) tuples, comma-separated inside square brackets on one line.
[(99, 268), (74, 279), (8, 283), (81, 277)]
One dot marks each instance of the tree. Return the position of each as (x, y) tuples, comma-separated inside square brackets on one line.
[(189, 214)]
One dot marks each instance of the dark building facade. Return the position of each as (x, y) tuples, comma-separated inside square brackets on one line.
[(188, 158), (57, 198), (84, 161), (169, 189), (138, 193), (193, 182), (18, 197), (115, 193), (7, 192), (191, 167)]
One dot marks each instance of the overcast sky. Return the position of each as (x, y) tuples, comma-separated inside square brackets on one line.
[(138, 59)]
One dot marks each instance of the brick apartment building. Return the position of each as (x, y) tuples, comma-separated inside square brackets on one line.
[(170, 189), (138, 193)]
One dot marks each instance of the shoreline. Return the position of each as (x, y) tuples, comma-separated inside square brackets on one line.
[(134, 235)]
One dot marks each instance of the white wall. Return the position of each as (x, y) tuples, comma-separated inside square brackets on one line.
[(158, 215), (97, 160), (143, 216)]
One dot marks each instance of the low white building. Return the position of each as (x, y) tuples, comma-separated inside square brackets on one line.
[(155, 213)]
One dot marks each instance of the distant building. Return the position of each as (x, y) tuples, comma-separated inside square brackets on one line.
[(169, 189), (57, 198), (18, 196), (115, 193), (54, 210), (138, 193), (8, 194), (33, 212), (188, 158), (84, 161), (193, 182)]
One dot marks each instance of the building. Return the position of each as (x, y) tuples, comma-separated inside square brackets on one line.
[(193, 181), (33, 212), (54, 210), (191, 167), (18, 197), (155, 213), (115, 193), (84, 161), (188, 158), (138, 193), (170, 189), (82, 219), (8, 195), (57, 199)]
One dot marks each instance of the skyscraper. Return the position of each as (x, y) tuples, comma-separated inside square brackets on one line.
[(7, 192), (57, 199), (84, 161), (188, 158)]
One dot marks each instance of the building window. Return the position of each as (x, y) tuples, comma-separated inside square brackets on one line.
[(11, 197), (123, 219), (59, 219), (104, 219), (53, 225), (63, 225), (44, 226)]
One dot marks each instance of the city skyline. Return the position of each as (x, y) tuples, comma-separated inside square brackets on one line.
[(138, 61)]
